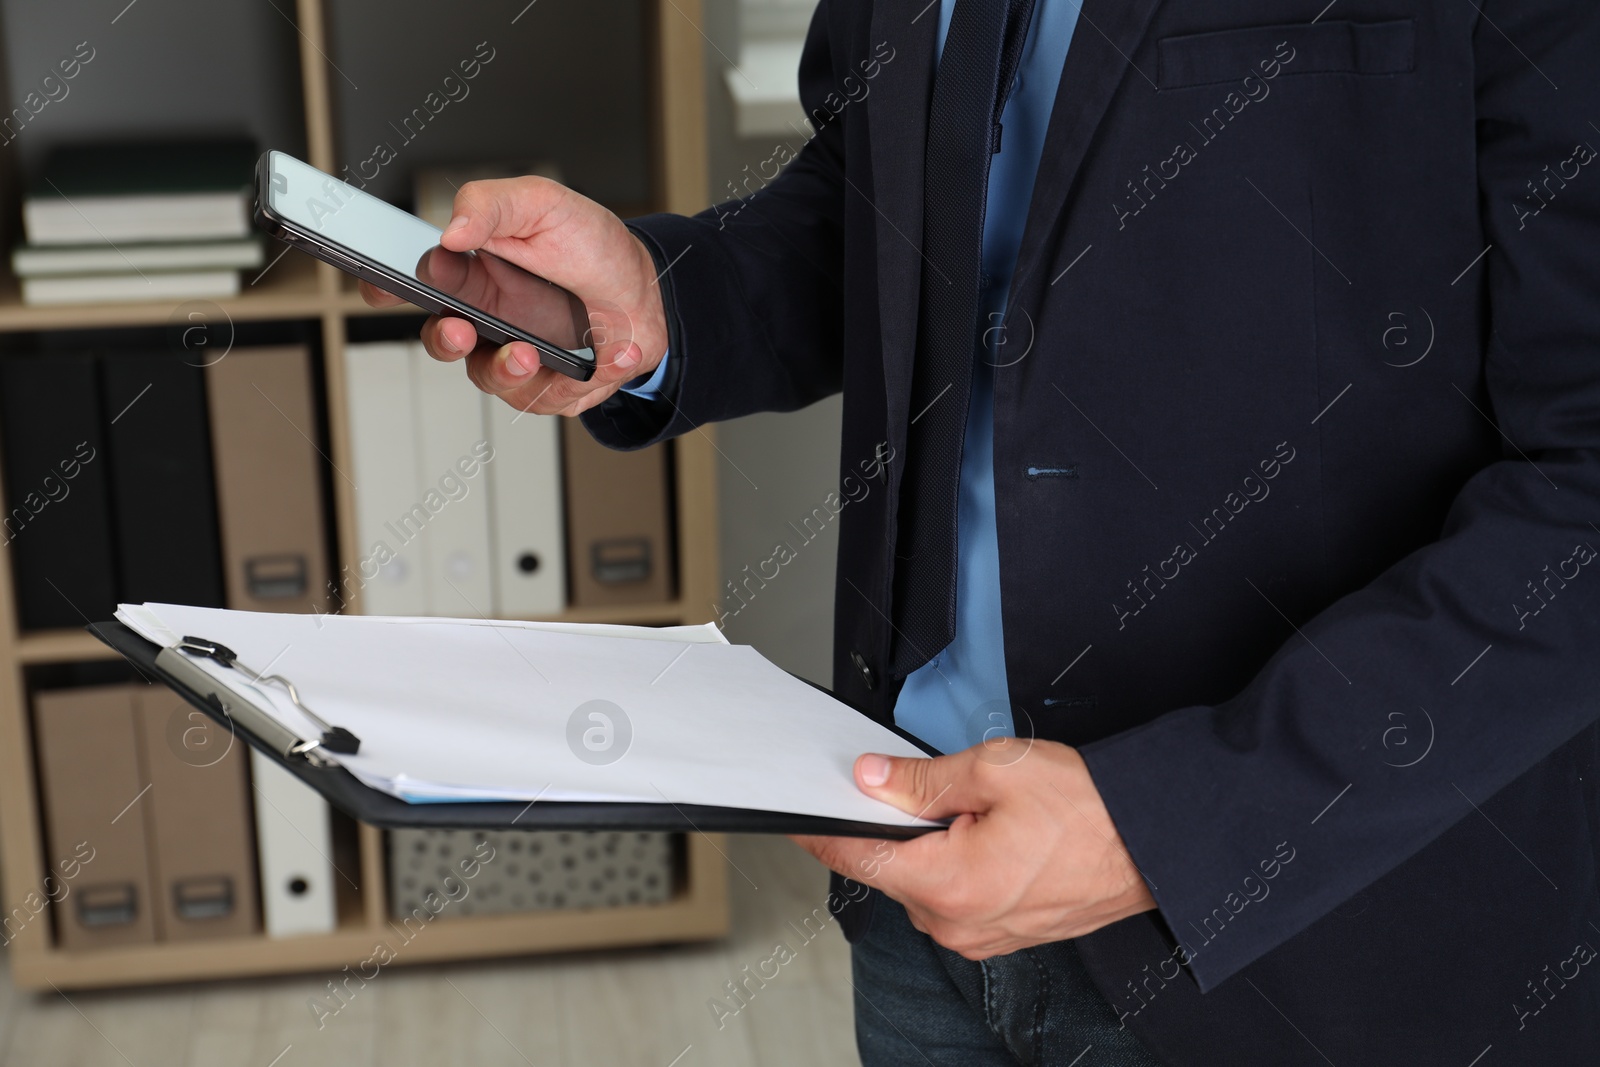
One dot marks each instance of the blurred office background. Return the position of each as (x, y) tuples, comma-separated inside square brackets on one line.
[(661, 951)]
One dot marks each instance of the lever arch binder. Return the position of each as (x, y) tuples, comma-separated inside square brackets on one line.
[(295, 843), (90, 783), (313, 756), (268, 483), (392, 574), (202, 865), (161, 478), (58, 497)]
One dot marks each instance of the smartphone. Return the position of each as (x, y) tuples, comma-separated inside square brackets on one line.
[(398, 252)]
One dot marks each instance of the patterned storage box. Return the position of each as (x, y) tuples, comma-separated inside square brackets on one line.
[(483, 872)]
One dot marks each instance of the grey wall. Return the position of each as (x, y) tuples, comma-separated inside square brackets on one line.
[(162, 69), (567, 83), (778, 467)]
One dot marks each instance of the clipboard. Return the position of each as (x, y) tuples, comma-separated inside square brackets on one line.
[(302, 757)]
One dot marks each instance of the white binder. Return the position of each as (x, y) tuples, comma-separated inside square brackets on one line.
[(295, 847), (450, 431), (530, 567), (391, 570)]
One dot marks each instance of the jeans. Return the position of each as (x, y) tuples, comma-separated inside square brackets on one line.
[(918, 1003)]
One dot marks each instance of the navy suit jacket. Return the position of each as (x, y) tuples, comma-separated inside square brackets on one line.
[(1297, 477)]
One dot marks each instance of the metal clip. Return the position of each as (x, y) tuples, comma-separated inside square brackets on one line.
[(334, 738)]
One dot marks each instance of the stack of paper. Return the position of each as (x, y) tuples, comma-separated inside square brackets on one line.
[(457, 710)]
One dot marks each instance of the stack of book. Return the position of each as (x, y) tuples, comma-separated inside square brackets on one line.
[(145, 221)]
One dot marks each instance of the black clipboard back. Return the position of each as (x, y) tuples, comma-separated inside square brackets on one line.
[(347, 793)]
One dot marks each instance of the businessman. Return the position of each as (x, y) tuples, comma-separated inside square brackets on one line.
[(1232, 376)]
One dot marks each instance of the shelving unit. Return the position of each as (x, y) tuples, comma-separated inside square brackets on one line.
[(296, 288)]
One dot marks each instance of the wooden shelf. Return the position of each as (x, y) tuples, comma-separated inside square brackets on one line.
[(60, 646), (288, 290), (65, 646), (296, 287), (696, 913)]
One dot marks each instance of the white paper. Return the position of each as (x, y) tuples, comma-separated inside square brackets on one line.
[(454, 709)]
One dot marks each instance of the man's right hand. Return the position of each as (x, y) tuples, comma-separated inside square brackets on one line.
[(546, 228)]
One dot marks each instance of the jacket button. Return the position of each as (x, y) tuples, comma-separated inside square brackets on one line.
[(861, 666)]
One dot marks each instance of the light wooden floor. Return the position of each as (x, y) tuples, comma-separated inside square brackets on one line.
[(646, 1008)]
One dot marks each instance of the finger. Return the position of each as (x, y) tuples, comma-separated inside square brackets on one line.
[(853, 857), (378, 298), (927, 788), (517, 373), (616, 366), (610, 336), (507, 368), (448, 339), (821, 847), (552, 314), (975, 945), (511, 372), (971, 942), (456, 274), (541, 396), (544, 392)]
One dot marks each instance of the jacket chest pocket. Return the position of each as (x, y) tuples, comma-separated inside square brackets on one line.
[(1356, 48)]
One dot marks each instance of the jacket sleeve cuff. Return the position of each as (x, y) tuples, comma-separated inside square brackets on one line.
[(1201, 875)]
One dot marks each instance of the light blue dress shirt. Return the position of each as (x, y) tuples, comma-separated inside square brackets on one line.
[(960, 697)]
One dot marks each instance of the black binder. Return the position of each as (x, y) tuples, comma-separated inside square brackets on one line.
[(57, 520), (302, 758), (161, 486)]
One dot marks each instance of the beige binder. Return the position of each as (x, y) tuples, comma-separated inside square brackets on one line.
[(269, 485), (94, 794), (203, 861), (619, 544)]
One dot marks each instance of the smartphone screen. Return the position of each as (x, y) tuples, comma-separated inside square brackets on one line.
[(332, 212)]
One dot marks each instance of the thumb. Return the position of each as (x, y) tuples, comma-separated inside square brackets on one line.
[(469, 227), (502, 207), (618, 357), (928, 788)]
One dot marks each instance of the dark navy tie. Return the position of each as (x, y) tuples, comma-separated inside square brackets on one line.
[(981, 50)]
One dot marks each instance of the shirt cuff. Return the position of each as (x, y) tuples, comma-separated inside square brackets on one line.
[(649, 388)]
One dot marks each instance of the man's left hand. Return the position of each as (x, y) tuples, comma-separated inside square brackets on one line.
[(1031, 856)]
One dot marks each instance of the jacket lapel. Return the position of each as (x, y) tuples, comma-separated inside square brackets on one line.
[(897, 114), (1098, 64)]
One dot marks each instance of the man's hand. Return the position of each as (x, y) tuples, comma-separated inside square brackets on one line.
[(568, 239), (1031, 857)]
